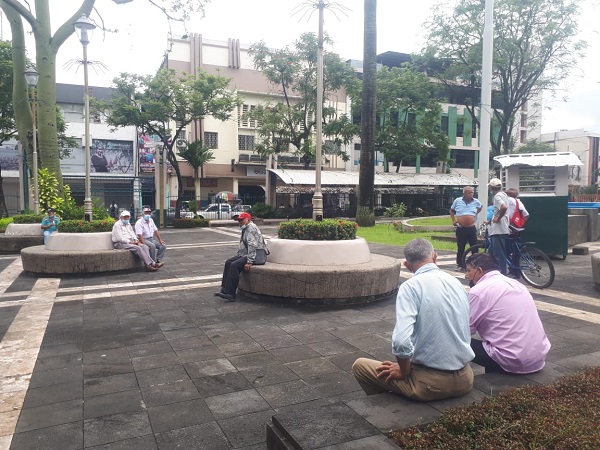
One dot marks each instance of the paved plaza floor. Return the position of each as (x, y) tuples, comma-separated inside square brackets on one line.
[(153, 360)]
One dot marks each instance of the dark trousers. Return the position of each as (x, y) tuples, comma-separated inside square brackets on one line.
[(464, 235), (231, 274), (483, 359), (499, 251)]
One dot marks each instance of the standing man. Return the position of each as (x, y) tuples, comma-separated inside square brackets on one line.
[(148, 234), (463, 213), (124, 237), (50, 224), (431, 340), (498, 229), (504, 314), (250, 241)]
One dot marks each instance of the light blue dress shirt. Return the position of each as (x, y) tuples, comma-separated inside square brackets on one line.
[(432, 320)]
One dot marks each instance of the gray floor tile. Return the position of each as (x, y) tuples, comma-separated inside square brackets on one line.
[(297, 353), (67, 436), (313, 367), (209, 434), (118, 402), (246, 430), (107, 385), (179, 415), (288, 393), (50, 415), (116, 427), (146, 442), (169, 393), (236, 404), (161, 375), (221, 384), (154, 348), (265, 376), (53, 394), (154, 361), (253, 360), (209, 367)]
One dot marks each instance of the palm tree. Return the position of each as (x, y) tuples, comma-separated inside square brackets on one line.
[(196, 155), (366, 179)]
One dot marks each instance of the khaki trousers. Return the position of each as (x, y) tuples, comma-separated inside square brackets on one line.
[(423, 384)]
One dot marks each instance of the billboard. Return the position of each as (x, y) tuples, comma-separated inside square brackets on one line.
[(9, 157), (108, 156)]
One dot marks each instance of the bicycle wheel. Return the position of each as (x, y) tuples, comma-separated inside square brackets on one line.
[(536, 267), (471, 251)]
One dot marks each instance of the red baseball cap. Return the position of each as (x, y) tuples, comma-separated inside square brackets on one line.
[(243, 216)]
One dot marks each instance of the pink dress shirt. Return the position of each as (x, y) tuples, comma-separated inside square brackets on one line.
[(504, 314)]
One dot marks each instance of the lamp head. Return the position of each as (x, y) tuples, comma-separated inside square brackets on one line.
[(31, 76), (84, 28)]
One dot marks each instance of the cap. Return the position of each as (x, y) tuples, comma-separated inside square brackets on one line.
[(243, 216), (50, 210), (495, 182), (147, 208), (125, 214)]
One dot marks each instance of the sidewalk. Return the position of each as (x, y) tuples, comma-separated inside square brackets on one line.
[(153, 360)]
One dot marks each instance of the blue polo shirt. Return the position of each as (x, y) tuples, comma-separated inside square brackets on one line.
[(462, 208)]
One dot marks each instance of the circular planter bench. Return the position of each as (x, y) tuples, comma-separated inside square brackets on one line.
[(596, 269), (77, 253), (19, 236), (320, 273)]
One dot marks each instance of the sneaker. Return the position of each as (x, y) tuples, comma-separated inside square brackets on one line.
[(151, 269), (226, 297), (459, 269), (158, 265)]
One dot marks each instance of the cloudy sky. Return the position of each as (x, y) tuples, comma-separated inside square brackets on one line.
[(141, 41)]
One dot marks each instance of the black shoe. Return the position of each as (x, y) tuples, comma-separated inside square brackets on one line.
[(226, 297), (218, 294)]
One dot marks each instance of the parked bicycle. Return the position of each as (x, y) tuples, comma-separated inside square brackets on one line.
[(522, 259)]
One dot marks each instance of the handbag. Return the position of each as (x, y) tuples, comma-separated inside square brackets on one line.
[(261, 253), (517, 219)]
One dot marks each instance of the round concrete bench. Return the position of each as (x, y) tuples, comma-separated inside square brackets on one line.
[(596, 269), (321, 273), (19, 236), (75, 253)]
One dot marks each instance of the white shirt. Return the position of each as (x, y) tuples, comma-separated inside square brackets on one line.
[(123, 233), (512, 204), (145, 228)]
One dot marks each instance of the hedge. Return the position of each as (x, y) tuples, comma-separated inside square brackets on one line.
[(189, 223), (28, 218), (326, 230), (81, 226)]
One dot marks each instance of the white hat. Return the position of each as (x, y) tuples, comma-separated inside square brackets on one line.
[(495, 182), (125, 213)]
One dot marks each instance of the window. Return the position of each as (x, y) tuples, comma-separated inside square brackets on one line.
[(460, 128), (245, 142), (244, 121), (523, 137), (445, 124), (331, 148), (473, 127), (523, 120), (211, 139)]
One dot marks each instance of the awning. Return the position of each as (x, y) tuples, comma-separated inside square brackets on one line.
[(552, 159)]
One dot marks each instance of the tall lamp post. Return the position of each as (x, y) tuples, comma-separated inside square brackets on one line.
[(317, 200), (84, 28), (31, 77)]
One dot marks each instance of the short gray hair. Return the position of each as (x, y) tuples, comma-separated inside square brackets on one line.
[(468, 188), (418, 250)]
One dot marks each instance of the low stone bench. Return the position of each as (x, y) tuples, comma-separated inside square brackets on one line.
[(78, 253), (596, 269), (19, 236)]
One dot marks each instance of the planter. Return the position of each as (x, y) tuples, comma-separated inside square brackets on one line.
[(319, 253)]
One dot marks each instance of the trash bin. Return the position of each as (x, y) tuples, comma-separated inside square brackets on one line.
[(543, 183)]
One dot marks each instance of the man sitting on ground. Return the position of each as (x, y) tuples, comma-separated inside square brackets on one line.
[(505, 316), (124, 237), (148, 234), (431, 337)]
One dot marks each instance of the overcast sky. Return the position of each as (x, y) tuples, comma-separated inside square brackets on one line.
[(141, 41)]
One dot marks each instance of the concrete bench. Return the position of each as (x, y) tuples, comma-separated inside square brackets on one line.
[(19, 236), (75, 253), (596, 269)]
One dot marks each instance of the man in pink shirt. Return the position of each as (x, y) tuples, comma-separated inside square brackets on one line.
[(503, 312)]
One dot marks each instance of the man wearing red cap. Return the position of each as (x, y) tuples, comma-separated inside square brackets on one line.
[(250, 241)]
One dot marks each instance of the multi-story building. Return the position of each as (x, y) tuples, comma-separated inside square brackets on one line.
[(586, 146)]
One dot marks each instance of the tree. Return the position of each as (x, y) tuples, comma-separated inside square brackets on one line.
[(535, 48), (47, 46), (365, 214), (535, 146), (7, 115), (408, 116), (291, 122), (196, 155), (155, 103)]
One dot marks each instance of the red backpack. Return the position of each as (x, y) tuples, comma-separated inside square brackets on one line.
[(517, 219)]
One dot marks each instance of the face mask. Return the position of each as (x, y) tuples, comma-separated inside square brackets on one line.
[(243, 227), (146, 217), (125, 221)]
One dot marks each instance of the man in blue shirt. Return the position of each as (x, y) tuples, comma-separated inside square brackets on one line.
[(431, 339), (49, 224), (463, 213)]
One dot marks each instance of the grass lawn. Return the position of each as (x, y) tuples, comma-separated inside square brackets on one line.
[(385, 233), (431, 221)]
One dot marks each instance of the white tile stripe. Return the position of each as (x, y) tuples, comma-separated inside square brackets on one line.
[(18, 353), (568, 312), (10, 274)]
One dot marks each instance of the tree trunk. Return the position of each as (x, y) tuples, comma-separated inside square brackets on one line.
[(3, 209), (365, 209)]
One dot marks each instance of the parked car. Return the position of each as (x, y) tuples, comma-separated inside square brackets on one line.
[(218, 211), (242, 208)]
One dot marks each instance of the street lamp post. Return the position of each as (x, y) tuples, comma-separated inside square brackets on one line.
[(31, 77), (318, 195), (84, 28)]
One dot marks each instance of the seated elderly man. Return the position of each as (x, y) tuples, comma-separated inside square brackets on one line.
[(505, 316), (148, 234), (124, 237), (431, 337)]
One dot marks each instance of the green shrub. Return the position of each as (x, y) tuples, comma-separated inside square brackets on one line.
[(560, 415), (189, 223), (309, 230), (4, 223), (396, 210), (81, 226), (48, 190), (28, 218), (263, 211)]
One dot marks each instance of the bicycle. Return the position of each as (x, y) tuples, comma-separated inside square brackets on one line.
[(523, 259)]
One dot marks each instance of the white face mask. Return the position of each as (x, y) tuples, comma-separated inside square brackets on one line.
[(125, 221), (146, 217)]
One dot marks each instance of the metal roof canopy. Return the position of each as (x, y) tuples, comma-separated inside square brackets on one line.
[(332, 178), (558, 159)]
